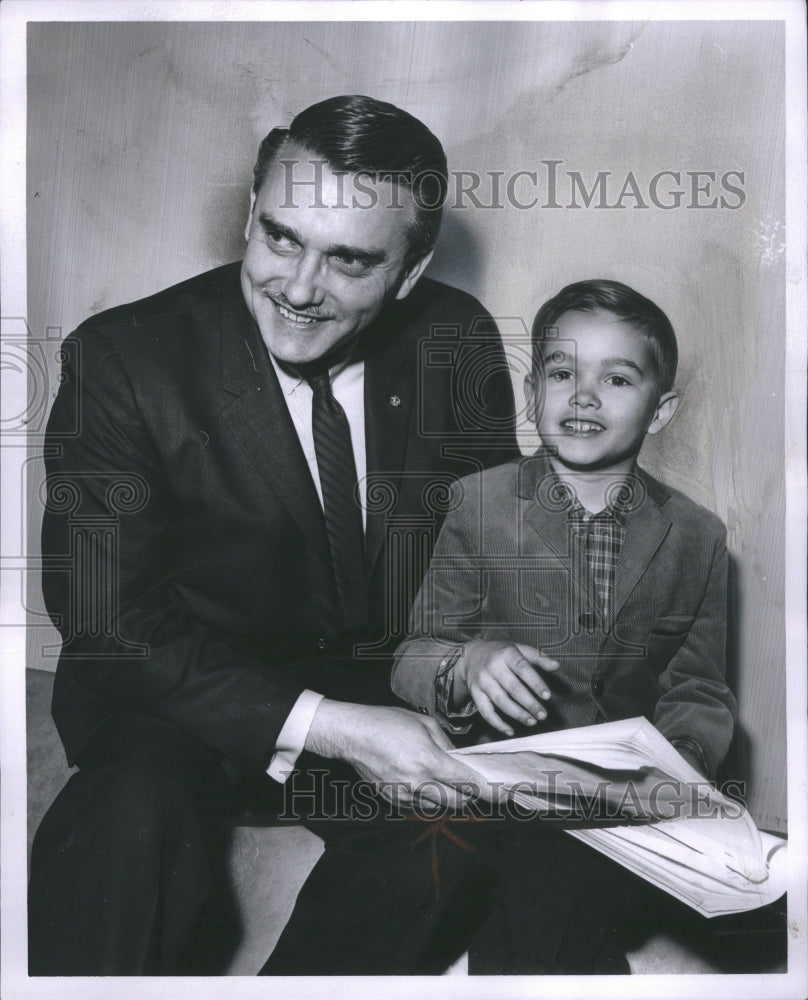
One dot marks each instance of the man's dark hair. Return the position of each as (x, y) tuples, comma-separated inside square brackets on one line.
[(361, 135), (613, 297)]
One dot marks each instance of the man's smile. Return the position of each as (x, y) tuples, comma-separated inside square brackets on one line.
[(302, 318)]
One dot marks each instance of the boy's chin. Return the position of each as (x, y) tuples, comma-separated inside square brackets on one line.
[(602, 464)]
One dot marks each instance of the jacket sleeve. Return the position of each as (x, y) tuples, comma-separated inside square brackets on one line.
[(695, 710), (107, 579), (446, 613), (482, 395)]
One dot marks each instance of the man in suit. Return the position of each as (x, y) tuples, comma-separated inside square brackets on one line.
[(225, 605)]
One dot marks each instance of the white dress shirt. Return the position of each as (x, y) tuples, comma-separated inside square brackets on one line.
[(348, 386)]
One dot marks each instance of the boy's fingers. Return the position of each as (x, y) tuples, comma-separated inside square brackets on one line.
[(487, 711), (521, 683), (532, 680), (536, 657), (510, 705)]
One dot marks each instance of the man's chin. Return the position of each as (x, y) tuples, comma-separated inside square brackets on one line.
[(296, 349)]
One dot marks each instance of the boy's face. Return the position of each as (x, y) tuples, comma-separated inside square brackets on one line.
[(597, 396)]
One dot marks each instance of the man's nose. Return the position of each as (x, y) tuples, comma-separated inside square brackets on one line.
[(303, 285)]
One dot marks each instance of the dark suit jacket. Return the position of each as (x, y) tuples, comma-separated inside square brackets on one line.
[(502, 569), (186, 557)]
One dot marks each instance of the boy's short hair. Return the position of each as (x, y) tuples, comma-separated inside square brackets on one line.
[(611, 296)]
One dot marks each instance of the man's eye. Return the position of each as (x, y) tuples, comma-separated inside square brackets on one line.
[(279, 241), (353, 266)]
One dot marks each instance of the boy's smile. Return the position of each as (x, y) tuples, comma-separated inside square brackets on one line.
[(596, 395), (582, 426)]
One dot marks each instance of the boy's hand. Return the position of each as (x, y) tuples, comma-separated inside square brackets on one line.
[(503, 679)]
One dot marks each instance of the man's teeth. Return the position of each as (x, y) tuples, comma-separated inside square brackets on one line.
[(295, 317), (581, 426)]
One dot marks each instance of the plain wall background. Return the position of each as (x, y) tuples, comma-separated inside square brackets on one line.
[(141, 139)]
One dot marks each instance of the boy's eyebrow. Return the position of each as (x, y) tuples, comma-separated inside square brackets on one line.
[(553, 353), (622, 363), (270, 224)]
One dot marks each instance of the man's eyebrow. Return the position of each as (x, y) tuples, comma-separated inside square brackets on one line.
[(364, 254), (269, 224), (357, 253)]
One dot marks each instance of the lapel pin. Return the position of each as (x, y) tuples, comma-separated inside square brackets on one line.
[(394, 400)]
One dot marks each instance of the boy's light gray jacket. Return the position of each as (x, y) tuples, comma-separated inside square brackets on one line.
[(503, 569)]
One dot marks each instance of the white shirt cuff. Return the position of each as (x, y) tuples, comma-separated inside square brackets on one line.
[(292, 737)]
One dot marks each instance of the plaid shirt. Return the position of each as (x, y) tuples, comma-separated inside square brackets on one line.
[(596, 541)]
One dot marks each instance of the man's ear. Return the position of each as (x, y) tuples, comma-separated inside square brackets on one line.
[(665, 409), (248, 227), (411, 276)]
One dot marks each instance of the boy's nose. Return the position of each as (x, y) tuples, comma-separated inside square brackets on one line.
[(303, 286), (584, 395)]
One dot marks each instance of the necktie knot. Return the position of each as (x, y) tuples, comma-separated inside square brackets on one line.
[(320, 383)]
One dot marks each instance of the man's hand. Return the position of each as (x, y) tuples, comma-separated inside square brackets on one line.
[(503, 680), (401, 752)]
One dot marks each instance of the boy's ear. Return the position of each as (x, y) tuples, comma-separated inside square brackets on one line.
[(531, 398), (665, 409)]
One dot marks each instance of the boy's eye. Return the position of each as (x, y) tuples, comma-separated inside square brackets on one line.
[(559, 375), (617, 380)]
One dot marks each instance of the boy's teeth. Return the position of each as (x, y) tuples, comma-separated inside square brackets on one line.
[(582, 425)]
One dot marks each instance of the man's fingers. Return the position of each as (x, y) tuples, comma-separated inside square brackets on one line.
[(434, 797), (436, 733)]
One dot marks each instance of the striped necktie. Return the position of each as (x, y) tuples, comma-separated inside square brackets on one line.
[(343, 515)]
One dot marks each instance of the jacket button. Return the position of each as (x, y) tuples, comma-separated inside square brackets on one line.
[(586, 620), (322, 643), (597, 688)]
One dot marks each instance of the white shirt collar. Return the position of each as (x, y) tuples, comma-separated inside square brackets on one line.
[(291, 383)]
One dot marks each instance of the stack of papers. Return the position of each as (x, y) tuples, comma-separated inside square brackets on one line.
[(624, 790)]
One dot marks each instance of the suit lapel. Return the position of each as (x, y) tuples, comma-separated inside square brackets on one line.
[(546, 514), (646, 530), (389, 397), (257, 415)]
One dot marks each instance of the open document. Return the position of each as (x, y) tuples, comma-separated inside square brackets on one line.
[(623, 789)]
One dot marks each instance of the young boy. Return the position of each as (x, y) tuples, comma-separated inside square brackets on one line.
[(565, 589), (572, 588)]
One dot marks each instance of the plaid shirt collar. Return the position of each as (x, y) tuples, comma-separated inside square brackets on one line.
[(616, 510)]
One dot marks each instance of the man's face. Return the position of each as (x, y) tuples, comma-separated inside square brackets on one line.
[(319, 266), (597, 396)]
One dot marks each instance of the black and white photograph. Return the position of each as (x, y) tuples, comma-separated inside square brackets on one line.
[(404, 499)]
